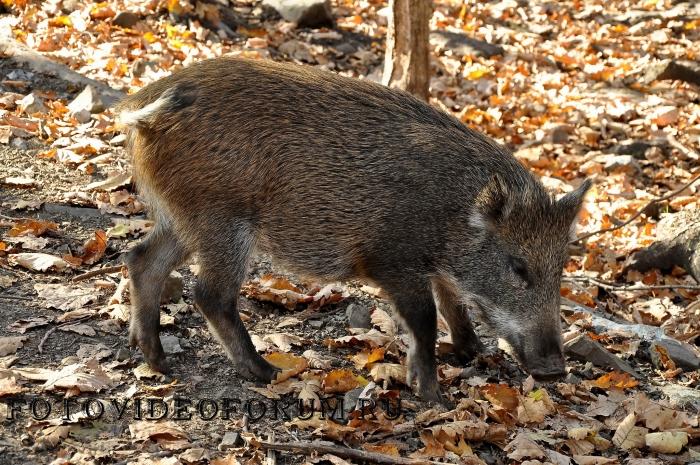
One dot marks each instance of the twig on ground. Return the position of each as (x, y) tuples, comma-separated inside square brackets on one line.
[(639, 212), (627, 287), (688, 152), (343, 452), (398, 431), (40, 348), (14, 297), (45, 338), (99, 272)]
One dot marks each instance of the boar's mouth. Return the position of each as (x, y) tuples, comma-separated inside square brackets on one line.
[(538, 354)]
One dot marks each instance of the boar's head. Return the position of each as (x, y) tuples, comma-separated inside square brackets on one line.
[(512, 272)]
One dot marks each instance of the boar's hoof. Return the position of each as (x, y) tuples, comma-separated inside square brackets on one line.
[(257, 369), (431, 393), (153, 353), (467, 352)]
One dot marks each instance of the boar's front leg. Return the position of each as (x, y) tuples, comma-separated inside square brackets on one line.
[(216, 295), (464, 340), (416, 307), (150, 264)]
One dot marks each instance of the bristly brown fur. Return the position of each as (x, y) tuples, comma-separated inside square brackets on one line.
[(342, 179)]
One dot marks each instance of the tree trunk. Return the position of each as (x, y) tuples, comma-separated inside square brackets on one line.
[(407, 62)]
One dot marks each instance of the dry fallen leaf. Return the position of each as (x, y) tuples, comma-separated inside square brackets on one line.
[(284, 341), (502, 396), (10, 344), (615, 380), (367, 357), (65, 297), (79, 377), (340, 381), (666, 442), (290, 364), (31, 227), (167, 434), (388, 372), (37, 261), (627, 435)]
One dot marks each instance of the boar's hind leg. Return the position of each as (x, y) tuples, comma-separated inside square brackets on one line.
[(464, 340), (216, 294), (150, 264), (416, 306)]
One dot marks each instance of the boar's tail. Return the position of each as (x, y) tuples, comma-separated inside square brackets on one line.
[(135, 113)]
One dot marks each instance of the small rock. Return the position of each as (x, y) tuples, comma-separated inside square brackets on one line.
[(584, 348), (89, 99), (682, 397), (588, 371), (31, 104), (171, 344), (126, 19), (305, 13), (297, 50), (20, 75), (122, 355), (682, 354), (82, 116), (358, 316), (572, 379), (350, 399), (230, 440), (172, 291), (317, 324)]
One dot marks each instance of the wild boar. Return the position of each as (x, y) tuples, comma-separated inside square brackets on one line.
[(341, 179)]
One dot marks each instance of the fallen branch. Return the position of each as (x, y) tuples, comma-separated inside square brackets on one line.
[(630, 287), (343, 452), (20, 53), (639, 212), (99, 272)]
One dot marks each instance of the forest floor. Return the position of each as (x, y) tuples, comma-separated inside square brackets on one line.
[(575, 88)]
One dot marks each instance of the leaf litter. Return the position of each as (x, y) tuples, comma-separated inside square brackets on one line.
[(567, 94)]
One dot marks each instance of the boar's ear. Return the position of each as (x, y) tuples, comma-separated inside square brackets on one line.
[(570, 204), (493, 203)]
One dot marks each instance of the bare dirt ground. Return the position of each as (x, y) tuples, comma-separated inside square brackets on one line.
[(564, 88)]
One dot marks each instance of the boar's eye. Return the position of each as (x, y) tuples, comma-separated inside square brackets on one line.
[(519, 268)]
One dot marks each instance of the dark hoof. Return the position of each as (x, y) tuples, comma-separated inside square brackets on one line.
[(152, 352), (258, 369), (466, 352)]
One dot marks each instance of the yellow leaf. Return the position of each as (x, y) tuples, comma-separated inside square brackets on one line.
[(149, 37), (340, 381), (290, 364), (368, 357), (615, 380)]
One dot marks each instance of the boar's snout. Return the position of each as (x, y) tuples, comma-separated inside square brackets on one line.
[(551, 369), (547, 363)]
